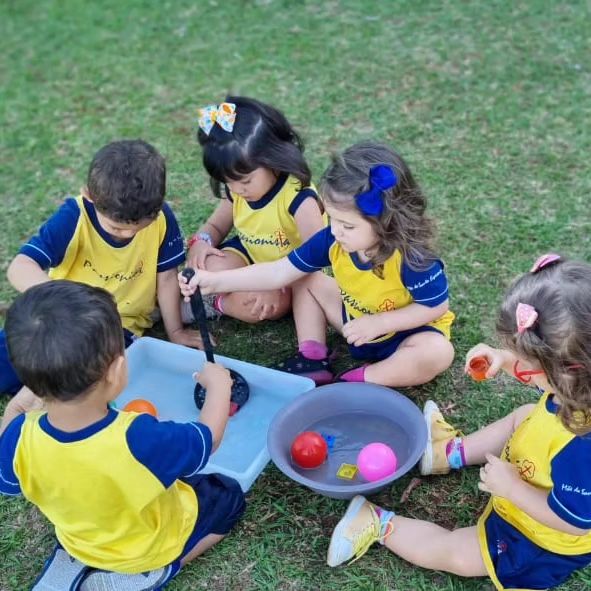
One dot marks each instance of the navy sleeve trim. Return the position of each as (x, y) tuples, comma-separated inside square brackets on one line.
[(9, 484), (566, 515), (300, 198), (167, 449), (296, 260), (428, 287), (314, 253), (570, 497), (171, 253), (48, 247)]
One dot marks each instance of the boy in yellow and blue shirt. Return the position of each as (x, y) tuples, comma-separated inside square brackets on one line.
[(123, 490), (120, 235)]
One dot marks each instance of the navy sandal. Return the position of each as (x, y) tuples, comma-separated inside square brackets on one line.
[(318, 370)]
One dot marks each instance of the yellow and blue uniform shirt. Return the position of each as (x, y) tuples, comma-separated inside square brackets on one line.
[(364, 291), (266, 229), (518, 551), (73, 245), (112, 490)]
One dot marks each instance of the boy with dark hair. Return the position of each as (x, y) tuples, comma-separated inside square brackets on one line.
[(119, 235), (121, 489)]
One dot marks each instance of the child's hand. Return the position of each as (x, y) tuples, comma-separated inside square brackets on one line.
[(203, 279), (363, 329), (498, 477), (264, 304), (496, 358), (188, 337), (215, 375), (199, 252)]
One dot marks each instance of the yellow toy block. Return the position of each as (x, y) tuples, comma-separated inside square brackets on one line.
[(347, 471)]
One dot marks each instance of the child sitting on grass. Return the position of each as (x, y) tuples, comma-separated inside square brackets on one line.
[(536, 528), (388, 297), (121, 489), (119, 235)]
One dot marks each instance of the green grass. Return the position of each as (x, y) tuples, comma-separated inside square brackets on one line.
[(489, 103)]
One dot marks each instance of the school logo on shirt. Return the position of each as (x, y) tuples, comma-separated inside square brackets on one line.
[(386, 306), (526, 468), (282, 238)]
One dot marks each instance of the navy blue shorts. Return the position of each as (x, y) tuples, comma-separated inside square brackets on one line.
[(520, 564), (10, 382), (235, 245), (221, 505), (383, 349)]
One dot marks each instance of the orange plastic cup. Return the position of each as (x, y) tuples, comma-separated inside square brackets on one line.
[(477, 368)]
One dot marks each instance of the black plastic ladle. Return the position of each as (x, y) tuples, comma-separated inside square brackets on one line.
[(240, 388)]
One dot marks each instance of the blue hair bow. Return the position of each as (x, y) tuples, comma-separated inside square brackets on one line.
[(381, 178)]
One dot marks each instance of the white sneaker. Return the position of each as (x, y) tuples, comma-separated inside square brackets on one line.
[(354, 534), (61, 572), (101, 580)]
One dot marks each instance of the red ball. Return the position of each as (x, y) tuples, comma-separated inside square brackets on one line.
[(309, 450)]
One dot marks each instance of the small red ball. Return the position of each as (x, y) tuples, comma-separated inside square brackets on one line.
[(309, 450)]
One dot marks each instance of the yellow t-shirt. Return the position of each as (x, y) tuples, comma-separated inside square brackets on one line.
[(72, 245), (553, 459), (267, 228), (364, 291), (111, 490)]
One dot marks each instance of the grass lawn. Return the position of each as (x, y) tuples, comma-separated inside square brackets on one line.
[(489, 103)]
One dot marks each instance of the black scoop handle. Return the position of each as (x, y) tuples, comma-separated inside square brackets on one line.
[(198, 310)]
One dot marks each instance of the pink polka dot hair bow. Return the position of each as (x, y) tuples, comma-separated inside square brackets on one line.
[(224, 116), (526, 317), (544, 261)]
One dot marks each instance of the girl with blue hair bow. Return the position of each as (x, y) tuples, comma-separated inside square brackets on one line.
[(388, 295)]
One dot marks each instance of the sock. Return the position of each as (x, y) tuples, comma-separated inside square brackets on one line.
[(313, 350), (217, 303), (385, 525), (455, 453), (354, 375)]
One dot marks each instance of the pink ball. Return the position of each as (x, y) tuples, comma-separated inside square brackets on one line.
[(376, 461)]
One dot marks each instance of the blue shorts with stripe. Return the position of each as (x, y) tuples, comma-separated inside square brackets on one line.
[(520, 564)]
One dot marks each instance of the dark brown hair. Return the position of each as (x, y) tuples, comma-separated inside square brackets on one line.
[(403, 224), (262, 137), (127, 181), (62, 337), (560, 339)]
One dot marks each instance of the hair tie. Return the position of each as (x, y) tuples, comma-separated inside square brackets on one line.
[(526, 317), (544, 261), (381, 178), (224, 116)]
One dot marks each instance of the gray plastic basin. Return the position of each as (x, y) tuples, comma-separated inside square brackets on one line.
[(354, 415)]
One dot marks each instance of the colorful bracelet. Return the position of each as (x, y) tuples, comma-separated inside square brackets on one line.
[(200, 237)]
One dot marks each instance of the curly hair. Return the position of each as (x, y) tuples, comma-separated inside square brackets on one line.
[(403, 224), (560, 339)]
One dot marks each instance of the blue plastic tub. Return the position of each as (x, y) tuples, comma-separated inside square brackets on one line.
[(350, 416), (161, 372)]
